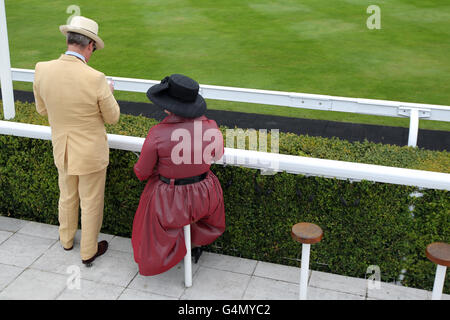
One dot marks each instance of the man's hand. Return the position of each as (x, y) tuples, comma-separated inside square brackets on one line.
[(111, 85)]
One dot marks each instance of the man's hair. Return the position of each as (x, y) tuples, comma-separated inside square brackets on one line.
[(78, 39)]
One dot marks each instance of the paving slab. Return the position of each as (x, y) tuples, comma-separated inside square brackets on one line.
[(11, 224), (228, 263), (91, 290), (338, 283), (22, 250), (324, 294), (278, 272), (8, 274), (121, 244), (5, 235), (114, 267), (34, 285), (132, 294), (216, 284), (58, 260), (270, 289), (388, 291), (169, 283), (42, 230)]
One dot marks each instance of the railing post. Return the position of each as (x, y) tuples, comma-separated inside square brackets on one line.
[(187, 257), (304, 271), (413, 127), (438, 282), (5, 67)]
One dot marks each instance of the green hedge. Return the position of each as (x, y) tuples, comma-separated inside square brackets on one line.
[(364, 223)]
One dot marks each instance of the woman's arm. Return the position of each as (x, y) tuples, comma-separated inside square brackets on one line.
[(148, 158)]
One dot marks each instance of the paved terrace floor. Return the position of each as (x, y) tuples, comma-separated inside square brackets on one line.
[(33, 265)]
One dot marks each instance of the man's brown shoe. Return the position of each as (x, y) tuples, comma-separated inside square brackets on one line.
[(102, 247)]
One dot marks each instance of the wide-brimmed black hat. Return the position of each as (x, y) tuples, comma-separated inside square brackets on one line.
[(178, 94)]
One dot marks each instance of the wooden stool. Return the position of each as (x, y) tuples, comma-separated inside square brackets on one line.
[(439, 253), (187, 257), (306, 234)]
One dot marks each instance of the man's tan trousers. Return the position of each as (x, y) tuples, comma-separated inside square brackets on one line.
[(87, 191)]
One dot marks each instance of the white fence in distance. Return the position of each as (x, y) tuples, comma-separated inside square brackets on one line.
[(414, 111)]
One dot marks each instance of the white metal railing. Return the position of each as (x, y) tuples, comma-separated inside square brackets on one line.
[(281, 162), (414, 111), (5, 67)]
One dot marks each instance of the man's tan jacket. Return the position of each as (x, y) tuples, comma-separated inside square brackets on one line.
[(78, 101)]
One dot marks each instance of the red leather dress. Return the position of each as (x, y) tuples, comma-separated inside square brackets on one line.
[(158, 237)]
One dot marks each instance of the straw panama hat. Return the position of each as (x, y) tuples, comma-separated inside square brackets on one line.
[(84, 26)]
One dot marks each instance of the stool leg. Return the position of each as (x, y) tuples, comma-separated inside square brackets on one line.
[(187, 257), (438, 282), (304, 271)]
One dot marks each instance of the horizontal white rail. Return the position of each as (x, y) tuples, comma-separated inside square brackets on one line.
[(288, 99), (263, 160)]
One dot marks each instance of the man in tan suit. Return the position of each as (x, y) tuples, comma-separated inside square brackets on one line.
[(78, 101)]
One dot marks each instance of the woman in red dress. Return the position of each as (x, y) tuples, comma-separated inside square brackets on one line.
[(181, 189)]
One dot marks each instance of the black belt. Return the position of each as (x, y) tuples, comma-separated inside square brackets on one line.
[(183, 181)]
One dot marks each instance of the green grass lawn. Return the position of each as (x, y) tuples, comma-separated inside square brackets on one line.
[(309, 46)]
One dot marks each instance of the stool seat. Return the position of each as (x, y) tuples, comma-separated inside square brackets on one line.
[(305, 232), (439, 253)]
